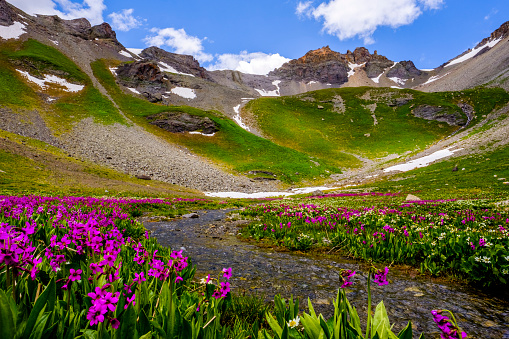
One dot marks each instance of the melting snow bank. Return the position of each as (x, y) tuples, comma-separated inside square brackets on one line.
[(422, 162), (126, 54), (258, 195), (52, 79), (435, 78), (238, 118), (184, 92), (164, 67), (473, 52), (13, 31), (274, 93)]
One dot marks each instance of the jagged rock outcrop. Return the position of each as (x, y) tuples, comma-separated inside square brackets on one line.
[(179, 122), (140, 71), (6, 14), (181, 63), (404, 70), (501, 32), (102, 31), (327, 66), (438, 113)]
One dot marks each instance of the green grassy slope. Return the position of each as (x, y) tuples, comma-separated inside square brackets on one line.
[(38, 59), (312, 122), (478, 176), (232, 146)]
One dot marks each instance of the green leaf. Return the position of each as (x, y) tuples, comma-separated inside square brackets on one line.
[(311, 325), (146, 336), (128, 323), (143, 323), (40, 323), (324, 326), (46, 299), (8, 327), (406, 333), (274, 324)]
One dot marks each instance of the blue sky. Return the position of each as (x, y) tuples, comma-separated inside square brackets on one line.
[(254, 36)]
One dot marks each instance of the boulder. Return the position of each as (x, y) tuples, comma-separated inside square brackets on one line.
[(412, 197), (190, 216), (437, 113), (102, 31), (143, 177), (179, 122)]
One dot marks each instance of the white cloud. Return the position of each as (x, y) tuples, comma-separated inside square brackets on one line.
[(89, 9), (252, 63), (124, 21), (303, 8), (347, 19), (179, 41)]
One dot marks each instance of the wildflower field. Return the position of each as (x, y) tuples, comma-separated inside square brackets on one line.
[(74, 267), (466, 239)]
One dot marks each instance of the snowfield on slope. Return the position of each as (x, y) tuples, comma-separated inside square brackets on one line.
[(422, 162)]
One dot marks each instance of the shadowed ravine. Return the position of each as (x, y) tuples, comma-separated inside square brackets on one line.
[(211, 244)]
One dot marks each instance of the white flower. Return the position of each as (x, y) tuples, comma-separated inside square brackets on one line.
[(506, 257), (294, 322), (505, 271)]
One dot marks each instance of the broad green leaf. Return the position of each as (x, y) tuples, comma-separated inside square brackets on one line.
[(273, 324), (406, 333), (7, 328), (311, 325), (128, 323), (40, 323), (46, 300)]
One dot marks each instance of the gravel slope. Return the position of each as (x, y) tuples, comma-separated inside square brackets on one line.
[(130, 149)]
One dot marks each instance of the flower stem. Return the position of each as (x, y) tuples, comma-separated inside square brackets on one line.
[(368, 327)]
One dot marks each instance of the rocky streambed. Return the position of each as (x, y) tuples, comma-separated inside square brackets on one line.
[(210, 241)]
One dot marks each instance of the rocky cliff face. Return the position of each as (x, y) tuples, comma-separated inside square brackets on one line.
[(327, 66), (181, 63), (404, 70)]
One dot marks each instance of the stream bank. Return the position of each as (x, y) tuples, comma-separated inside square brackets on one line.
[(211, 242)]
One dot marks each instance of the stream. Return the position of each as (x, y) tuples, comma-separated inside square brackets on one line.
[(210, 241)]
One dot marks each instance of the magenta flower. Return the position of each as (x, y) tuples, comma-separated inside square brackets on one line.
[(449, 329), (482, 242), (346, 275), (139, 277), (96, 313), (227, 272), (178, 279), (381, 277), (114, 323), (95, 268), (75, 275)]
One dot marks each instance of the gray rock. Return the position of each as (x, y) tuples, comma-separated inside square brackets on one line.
[(412, 197), (6, 14), (143, 177), (428, 112), (179, 122), (190, 215)]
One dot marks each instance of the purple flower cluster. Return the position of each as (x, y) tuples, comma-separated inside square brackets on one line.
[(345, 276), (104, 303), (447, 327), (16, 249), (381, 277)]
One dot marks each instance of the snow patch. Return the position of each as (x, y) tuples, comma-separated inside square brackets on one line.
[(473, 52), (312, 82), (427, 69), (377, 79), (207, 135), (13, 31), (125, 53), (435, 78), (113, 70), (353, 67), (396, 87), (238, 118), (184, 92), (55, 42), (135, 51), (294, 191), (52, 79), (134, 90), (422, 162), (399, 81), (274, 93), (164, 67)]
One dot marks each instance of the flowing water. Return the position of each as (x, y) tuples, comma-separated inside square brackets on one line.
[(211, 243)]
